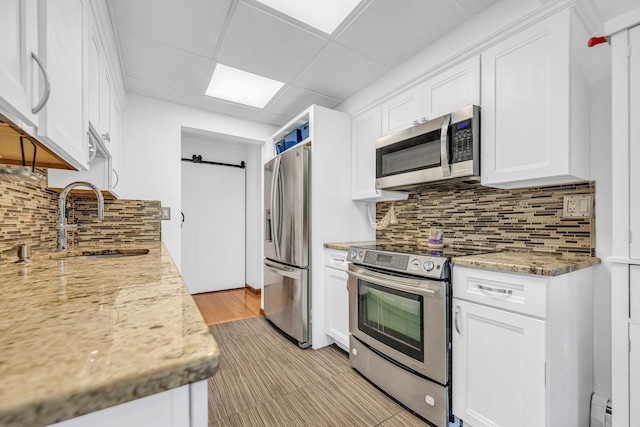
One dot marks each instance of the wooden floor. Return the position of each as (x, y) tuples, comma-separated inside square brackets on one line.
[(266, 380), (226, 306)]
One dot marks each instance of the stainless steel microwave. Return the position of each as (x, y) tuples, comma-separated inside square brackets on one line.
[(447, 147)]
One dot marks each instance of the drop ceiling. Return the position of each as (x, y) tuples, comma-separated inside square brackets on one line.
[(169, 49)]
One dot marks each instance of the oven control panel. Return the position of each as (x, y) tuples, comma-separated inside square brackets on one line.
[(419, 265)]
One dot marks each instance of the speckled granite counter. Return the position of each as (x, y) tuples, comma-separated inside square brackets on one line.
[(81, 335), (528, 262), (343, 246)]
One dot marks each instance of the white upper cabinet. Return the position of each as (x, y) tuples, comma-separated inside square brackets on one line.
[(19, 95), (452, 89), (60, 48), (365, 129), (634, 141), (102, 116), (443, 93), (535, 109), (402, 111)]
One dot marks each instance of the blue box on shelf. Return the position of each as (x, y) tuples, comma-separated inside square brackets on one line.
[(304, 131), (292, 139), (280, 146)]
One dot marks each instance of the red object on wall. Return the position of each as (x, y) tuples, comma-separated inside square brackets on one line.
[(597, 40)]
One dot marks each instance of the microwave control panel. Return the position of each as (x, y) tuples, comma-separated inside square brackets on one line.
[(462, 141)]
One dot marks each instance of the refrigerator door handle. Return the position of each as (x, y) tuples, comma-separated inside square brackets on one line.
[(283, 270), (274, 214)]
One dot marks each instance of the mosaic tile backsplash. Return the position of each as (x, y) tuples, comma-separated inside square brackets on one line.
[(476, 216), (29, 213)]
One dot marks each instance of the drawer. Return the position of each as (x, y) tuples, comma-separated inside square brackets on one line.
[(335, 258), (515, 292), (634, 293)]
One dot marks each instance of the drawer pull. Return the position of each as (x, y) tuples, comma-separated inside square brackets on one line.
[(500, 291)]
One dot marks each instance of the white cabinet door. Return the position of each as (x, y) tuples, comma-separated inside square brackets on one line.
[(634, 374), (365, 129), (95, 61), (498, 367), (528, 108), (18, 40), (634, 142), (452, 89), (337, 306), (114, 145), (402, 111), (60, 45)]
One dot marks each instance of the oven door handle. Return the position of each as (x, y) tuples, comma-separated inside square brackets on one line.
[(407, 285)]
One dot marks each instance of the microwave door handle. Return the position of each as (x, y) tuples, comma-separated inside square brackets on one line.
[(444, 146), (385, 281)]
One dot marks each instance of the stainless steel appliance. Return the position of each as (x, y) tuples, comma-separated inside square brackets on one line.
[(444, 148), (286, 245), (400, 324)]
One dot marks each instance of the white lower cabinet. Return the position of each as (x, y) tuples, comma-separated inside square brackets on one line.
[(499, 360), (522, 348), (337, 297), (184, 406)]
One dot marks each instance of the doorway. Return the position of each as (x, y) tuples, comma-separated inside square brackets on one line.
[(213, 214)]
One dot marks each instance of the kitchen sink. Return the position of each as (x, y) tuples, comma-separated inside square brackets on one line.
[(99, 254)]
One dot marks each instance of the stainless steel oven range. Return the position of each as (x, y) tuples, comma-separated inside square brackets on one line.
[(400, 324)]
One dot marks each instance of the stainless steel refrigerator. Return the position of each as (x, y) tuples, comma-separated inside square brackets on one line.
[(287, 290)]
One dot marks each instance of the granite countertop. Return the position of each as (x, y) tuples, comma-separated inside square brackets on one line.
[(344, 246), (543, 264), (80, 335)]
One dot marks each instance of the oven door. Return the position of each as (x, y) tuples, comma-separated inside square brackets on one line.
[(403, 318)]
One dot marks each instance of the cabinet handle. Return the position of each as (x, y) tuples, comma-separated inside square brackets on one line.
[(47, 85), (455, 319), (338, 261), (415, 122), (106, 137), (500, 291), (422, 120), (117, 178), (93, 149)]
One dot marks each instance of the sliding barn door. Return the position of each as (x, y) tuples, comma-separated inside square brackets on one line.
[(213, 231)]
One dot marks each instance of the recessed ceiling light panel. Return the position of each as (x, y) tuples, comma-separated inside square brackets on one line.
[(324, 15), (239, 86)]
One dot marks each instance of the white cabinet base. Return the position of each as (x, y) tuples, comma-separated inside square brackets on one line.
[(184, 406)]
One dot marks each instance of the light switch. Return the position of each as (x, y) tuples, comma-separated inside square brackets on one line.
[(578, 206), (165, 213)]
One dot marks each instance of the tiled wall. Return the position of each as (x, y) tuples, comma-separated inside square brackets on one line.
[(29, 213), (473, 215)]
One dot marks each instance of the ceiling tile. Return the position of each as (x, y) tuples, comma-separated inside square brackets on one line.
[(261, 43), (389, 31), (161, 92), (294, 100), (339, 72), (475, 6), (237, 110), (193, 25), (158, 63)]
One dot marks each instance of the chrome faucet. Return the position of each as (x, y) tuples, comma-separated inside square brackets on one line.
[(62, 223)]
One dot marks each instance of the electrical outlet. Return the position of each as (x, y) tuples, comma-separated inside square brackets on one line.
[(578, 206), (165, 213)]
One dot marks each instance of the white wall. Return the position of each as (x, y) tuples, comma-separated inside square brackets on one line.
[(218, 150), (150, 153)]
